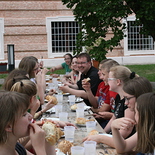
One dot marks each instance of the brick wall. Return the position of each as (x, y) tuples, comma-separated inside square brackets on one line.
[(25, 26)]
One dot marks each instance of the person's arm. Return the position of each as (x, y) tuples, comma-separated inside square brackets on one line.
[(78, 93), (40, 87), (104, 108), (37, 137), (107, 128), (92, 99), (128, 114), (56, 68), (120, 143), (100, 139)]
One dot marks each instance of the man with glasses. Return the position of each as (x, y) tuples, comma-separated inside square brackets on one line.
[(85, 67)]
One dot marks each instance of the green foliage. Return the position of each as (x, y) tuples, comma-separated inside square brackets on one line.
[(97, 19), (101, 17)]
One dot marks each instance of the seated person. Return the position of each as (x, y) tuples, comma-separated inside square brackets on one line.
[(87, 71)]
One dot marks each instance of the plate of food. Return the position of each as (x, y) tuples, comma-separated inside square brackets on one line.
[(78, 99), (74, 107), (65, 94), (82, 121)]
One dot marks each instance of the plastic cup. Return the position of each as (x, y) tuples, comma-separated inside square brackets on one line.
[(90, 147), (80, 113), (90, 125), (71, 99), (80, 105), (58, 109), (77, 150), (69, 133), (63, 116), (59, 98)]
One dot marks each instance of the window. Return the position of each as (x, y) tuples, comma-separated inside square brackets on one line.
[(62, 35), (135, 42), (1, 38)]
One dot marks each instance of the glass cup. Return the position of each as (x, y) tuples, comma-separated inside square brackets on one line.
[(80, 113), (59, 98), (90, 147), (90, 125), (69, 133), (63, 116), (58, 109), (77, 150), (71, 99)]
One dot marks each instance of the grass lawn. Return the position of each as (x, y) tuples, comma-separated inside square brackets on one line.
[(147, 71)]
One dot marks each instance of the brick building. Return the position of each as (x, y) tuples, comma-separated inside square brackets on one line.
[(47, 28)]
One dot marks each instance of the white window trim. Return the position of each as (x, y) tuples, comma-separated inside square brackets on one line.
[(48, 30), (1, 38), (126, 51)]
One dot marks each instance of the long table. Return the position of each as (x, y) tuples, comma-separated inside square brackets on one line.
[(81, 132)]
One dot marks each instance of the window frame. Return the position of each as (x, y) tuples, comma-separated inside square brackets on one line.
[(48, 29), (134, 52), (1, 38)]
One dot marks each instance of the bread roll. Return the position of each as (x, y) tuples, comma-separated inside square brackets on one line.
[(87, 80), (65, 146), (53, 134), (53, 98), (93, 132), (80, 120), (90, 120), (74, 107)]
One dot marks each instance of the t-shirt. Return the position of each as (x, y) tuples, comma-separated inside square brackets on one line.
[(94, 82), (120, 107), (66, 67), (146, 153), (20, 149), (105, 96)]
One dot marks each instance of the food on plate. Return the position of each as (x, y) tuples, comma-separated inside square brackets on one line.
[(90, 120), (53, 98), (80, 120), (65, 146), (87, 80), (93, 132), (74, 107), (53, 133)]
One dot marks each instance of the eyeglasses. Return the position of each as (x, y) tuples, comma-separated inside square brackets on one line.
[(81, 63), (128, 98), (110, 79)]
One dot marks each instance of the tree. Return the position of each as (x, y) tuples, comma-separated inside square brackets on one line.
[(99, 18)]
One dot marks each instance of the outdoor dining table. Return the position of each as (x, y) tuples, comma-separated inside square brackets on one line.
[(81, 132)]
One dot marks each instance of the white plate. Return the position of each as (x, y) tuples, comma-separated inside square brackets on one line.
[(77, 101), (58, 152), (109, 135), (81, 125), (50, 118), (51, 110)]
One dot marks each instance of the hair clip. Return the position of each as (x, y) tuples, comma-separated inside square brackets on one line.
[(132, 75), (21, 83)]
